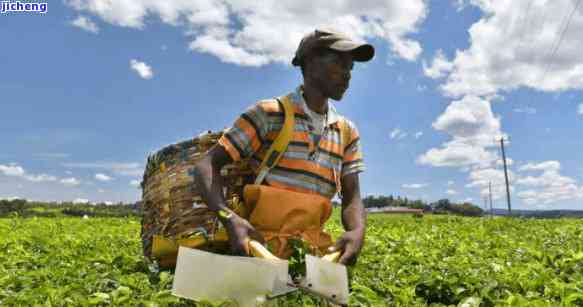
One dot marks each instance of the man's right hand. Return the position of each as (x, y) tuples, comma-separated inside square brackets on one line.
[(239, 231)]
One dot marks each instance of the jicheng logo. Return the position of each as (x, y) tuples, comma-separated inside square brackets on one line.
[(24, 7)]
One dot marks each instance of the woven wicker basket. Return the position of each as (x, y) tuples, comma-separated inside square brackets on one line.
[(173, 211)]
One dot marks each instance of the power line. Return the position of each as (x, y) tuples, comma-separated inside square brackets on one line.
[(558, 35), (560, 40)]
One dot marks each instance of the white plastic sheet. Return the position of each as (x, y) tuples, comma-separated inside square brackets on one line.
[(211, 277), (327, 279)]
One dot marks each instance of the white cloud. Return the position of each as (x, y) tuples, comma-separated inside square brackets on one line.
[(43, 187), (119, 168), (547, 166), (103, 177), (14, 170), (526, 110), (135, 183), (474, 130), (468, 200), (414, 186), (512, 46), (470, 119), (142, 69), (70, 182), (397, 134), (500, 162), (482, 178), (457, 154), (548, 187), (257, 33), (580, 109), (86, 24), (459, 5), (439, 68), (549, 177), (451, 192), (81, 201), (450, 183), (40, 178), (418, 134)]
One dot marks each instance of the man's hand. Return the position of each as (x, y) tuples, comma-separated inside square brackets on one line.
[(239, 231), (350, 244), (353, 220)]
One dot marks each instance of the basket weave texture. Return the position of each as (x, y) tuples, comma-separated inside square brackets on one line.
[(172, 205)]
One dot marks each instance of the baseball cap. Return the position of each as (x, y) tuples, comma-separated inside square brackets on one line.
[(330, 39)]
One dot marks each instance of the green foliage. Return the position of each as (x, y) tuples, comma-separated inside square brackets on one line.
[(434, 261), (297, 261)]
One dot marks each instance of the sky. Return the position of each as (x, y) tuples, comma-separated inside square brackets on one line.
[(91, 87)]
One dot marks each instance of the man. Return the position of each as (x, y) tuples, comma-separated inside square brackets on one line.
[(315, 162)]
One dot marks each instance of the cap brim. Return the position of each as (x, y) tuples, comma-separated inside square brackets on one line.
[(296, 61), (362, 52)]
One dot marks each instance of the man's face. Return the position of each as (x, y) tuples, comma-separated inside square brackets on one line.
[(330, 71)]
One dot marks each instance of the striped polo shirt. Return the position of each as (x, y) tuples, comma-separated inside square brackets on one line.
[(305, 167)]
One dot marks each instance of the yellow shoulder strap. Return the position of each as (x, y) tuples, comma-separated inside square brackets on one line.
[(279, 146), (344, 134), (344, 139)]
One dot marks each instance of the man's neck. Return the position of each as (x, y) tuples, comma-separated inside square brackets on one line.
[(315, 100)]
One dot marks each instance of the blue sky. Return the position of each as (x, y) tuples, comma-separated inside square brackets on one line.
[(88, 89)]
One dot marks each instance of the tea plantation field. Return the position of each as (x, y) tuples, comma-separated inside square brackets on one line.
[(407, 261)]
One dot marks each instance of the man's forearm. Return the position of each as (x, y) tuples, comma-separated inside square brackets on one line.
[(353, 215), (353, 212), (210, 184)]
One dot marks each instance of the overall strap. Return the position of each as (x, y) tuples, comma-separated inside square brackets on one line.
[(345, 135), (280, 144)]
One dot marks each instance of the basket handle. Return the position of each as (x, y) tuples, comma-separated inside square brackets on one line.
[(333, 257), (257, 249)]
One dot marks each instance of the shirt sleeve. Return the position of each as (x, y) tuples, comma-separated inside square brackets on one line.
[(247, 134), (352, 160)]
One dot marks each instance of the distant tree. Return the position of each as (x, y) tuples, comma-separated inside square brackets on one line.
[(442, 205), (468, 209), (51, 209), (419, 204), (377, 201)]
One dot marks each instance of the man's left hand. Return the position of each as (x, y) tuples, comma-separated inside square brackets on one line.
[(350, 244)]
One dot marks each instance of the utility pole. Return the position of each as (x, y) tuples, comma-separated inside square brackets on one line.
[(506, 176), (490, 195)]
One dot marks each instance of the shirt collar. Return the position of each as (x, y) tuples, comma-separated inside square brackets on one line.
[(298, 98)]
